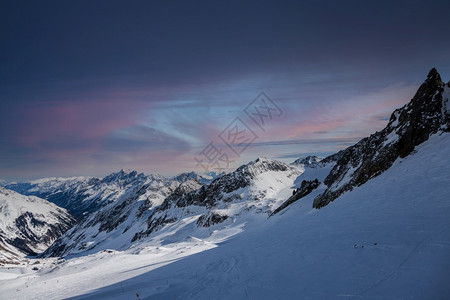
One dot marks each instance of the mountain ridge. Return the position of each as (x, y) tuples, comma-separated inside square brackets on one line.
[(426, 114)]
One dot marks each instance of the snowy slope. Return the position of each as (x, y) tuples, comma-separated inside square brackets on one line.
[(28, 224), (390, 242)]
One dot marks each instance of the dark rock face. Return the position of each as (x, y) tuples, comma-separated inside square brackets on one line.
[(408, 127), (153, 224), (29, 238), (210, 219), (185, 193), (193, 194), (306, 187), (110, 219), (333, 158)]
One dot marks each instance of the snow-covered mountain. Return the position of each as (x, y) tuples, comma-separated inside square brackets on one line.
[(255, 188), (29, 225), (115, 224)]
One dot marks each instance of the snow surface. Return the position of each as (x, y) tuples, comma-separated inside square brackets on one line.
[(389, 238)]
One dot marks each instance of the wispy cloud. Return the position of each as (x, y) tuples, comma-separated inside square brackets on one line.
[(78, 128)]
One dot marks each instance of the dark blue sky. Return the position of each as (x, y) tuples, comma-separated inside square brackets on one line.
[(88, 87)]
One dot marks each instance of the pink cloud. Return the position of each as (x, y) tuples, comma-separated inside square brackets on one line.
[(87, 120)]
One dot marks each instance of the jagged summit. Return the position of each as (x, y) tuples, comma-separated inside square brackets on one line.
[(203, 179), (125, 177), (308, 161), (261, 165), (434, 77), (120, 173), (190, 176), (187, 175), (426, 114)]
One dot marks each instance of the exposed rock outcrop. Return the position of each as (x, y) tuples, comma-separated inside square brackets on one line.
[(306, 187)]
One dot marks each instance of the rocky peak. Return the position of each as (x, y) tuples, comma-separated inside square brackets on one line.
[(434, 78), (261, 165), (310, 160), (123, 177), (422, 116), (409, 126)]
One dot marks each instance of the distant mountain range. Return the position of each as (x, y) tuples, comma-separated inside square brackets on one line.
[(84, 195)]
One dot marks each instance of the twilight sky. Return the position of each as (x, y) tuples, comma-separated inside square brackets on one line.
[(90, 87)]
